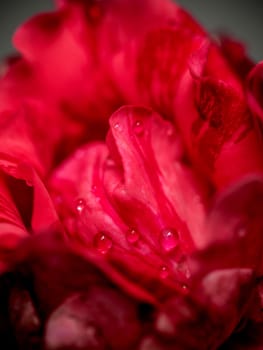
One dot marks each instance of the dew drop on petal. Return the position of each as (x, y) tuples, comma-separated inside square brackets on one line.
[(117, 126), (169, 239), (184, 287), (241, 230), (170, 131), (80, 205), (94, 188), (102, 243), (29, 182), (109, 162), (132, 236), (138, 128), (164, 272)]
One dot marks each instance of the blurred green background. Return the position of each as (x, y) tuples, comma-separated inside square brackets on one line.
[(241, 18)]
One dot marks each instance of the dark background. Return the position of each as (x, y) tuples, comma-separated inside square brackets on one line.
[(241, 18)]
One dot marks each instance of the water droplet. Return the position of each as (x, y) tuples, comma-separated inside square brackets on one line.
[(184, 287), (132, 236), (110, 163), (80, 205), (169, 239), (29, 182), (138, 127), (241, 230), (164, 272), (117, 126), (102, 243), (94, 188), (170, 131)]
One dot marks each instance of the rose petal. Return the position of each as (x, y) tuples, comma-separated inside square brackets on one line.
[(219, 129), (99, 318), (249, 338), (221, 290), (160, 67), (103, 209), (240, 207), (142, 141), (26, 206), (215, 303), (254, 90), (235, 53), (73, 87), (87, 213), (233, 229)]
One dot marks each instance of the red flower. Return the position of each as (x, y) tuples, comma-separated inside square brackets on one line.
[(144, 234)]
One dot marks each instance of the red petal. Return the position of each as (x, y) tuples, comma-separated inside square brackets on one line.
[(236, 55), (240, 240), (26, 205), (144, 141), (97, 318), (255, 90), (99, 197), (87, 212), (71, 85), (160, 67), (219, 129), (221, 289), (211, 312)]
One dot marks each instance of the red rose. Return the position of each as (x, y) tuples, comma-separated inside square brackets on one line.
[(131, 183)]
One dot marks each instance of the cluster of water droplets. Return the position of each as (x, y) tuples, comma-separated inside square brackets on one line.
[(169, 242), (138, 127)]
